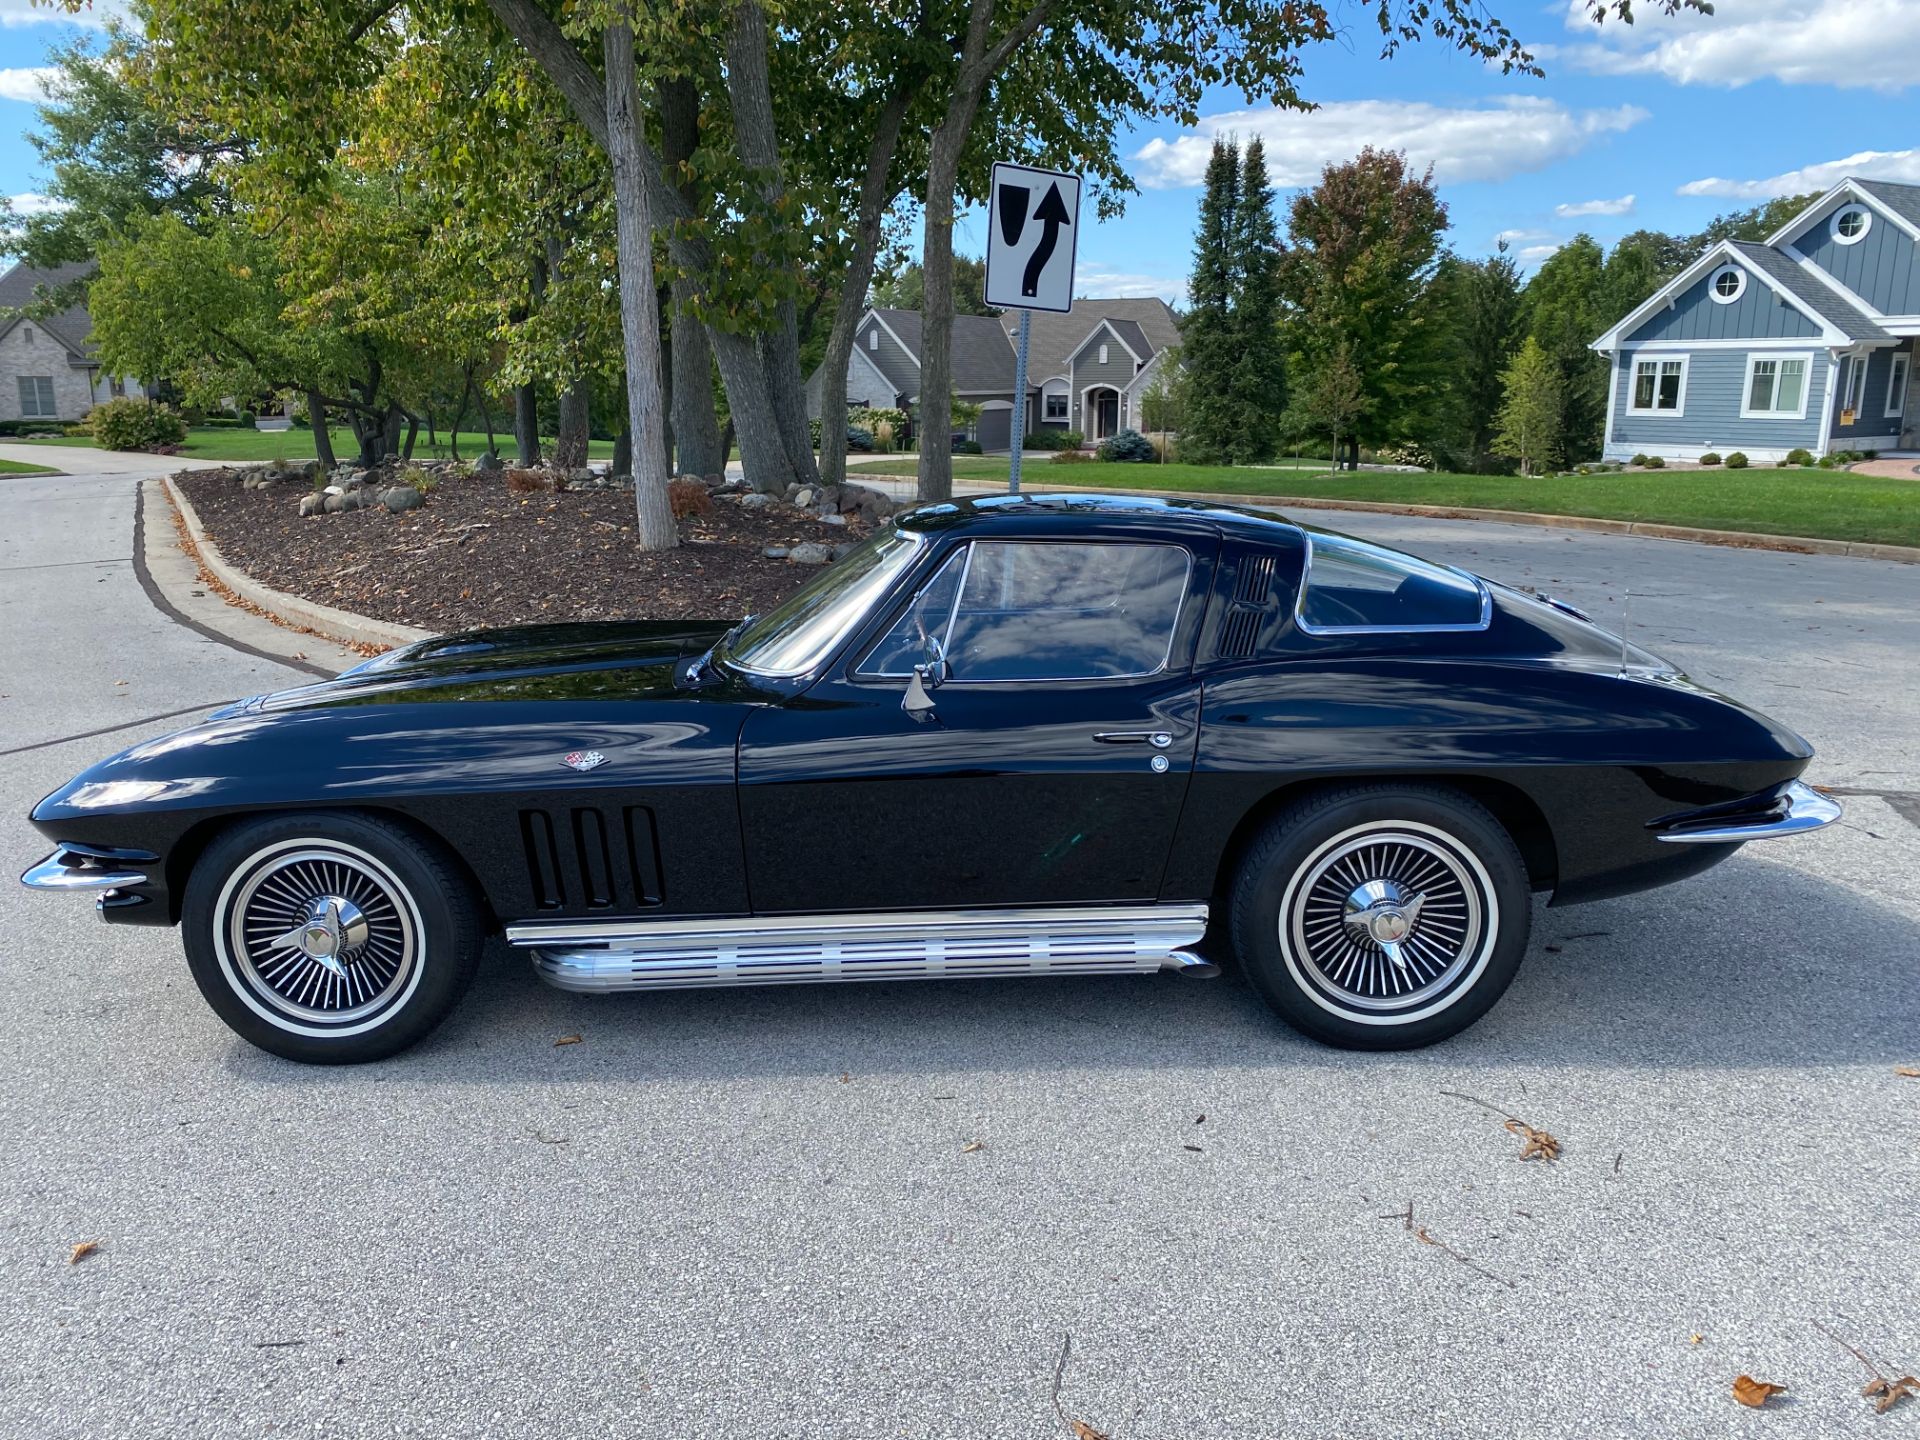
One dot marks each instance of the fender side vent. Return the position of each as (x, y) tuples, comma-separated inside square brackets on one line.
[(584, 858), (1240, 631), (1254, 583)]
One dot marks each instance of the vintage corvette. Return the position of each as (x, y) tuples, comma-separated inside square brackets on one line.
[(1016, 736)]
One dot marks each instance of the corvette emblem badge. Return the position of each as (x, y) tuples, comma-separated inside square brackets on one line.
[(583, 759)]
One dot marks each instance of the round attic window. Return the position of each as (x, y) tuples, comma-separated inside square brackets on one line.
[(1850, 226), (1729, 283)]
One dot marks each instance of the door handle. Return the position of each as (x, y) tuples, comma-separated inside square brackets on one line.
[(1159, 739)]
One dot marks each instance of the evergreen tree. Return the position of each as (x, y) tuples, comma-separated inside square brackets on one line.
[(1257, 387), (1565, 310), (1207, 340), (1482, 302), (1530, 419)]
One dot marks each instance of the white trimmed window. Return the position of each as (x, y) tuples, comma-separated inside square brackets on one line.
[(1103, 352), (1659, 386), (1728, 284), (1853, 384), (27, 330), (36, 398), (1851, 223), (1053, 405), (873, 338), (1897, 387), (1776, 387)]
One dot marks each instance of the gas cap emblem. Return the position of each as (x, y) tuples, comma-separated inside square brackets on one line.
[(583, 760)]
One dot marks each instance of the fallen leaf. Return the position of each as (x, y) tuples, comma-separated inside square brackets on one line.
[(566, 1040), (1887, 1393), (1695, 1339), (81, 1251), (846, 1078), (1754, 1393), (1201, 1121), (973, 1145), (1540, 1145), (1907, 1072), (1083, 1431)]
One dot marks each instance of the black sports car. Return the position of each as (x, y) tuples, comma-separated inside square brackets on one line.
[(1018, 736)]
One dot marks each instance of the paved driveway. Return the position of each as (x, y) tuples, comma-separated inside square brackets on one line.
[(753, 1212)]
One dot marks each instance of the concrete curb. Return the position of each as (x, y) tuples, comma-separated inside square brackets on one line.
[(341, 626), (1739, 539)]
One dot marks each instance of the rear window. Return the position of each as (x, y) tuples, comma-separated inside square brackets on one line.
[(1351, 585)]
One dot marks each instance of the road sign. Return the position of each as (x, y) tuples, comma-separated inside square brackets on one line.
[(1033, 221)]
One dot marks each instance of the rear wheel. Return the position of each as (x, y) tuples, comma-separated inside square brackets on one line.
[(1382, 918), (327, 938)]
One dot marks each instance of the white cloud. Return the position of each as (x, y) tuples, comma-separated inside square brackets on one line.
[(1849, 43), (1898, 165), (1096, 279), (1621, 206), (1529, 247), (32, 204), (26, 84), (14, 14), (1482, 142)]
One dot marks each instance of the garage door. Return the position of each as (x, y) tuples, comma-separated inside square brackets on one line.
[(995, 429)]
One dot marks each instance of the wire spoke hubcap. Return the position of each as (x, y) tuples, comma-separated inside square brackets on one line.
[(1387, 917), (322, 934)]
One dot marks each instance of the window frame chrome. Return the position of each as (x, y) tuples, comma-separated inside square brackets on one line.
[(1448, 628), (823, 657)]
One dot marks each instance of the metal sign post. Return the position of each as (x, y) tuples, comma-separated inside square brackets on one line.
[(1019, 401), (1033, 228)]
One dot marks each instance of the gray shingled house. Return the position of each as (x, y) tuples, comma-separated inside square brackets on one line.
[(1086, 369), (48, 368)]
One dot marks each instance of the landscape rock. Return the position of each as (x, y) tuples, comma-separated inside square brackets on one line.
[(803, 498), (487, 463), (843, 549), (833, 519), (401, 497), (310, 504), (755, 501), (335, 502), (775, 552), (810, 552)]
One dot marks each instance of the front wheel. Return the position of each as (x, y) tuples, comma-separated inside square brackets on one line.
[(1382, 917), (329, 938)]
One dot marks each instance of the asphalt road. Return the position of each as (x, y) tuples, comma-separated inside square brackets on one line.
[(754, 1212)]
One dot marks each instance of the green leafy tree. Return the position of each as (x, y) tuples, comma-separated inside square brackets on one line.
[(1530, 416), (1565, 309), (1163, 404), (1331, 399), (1358, 271), (906, 289)]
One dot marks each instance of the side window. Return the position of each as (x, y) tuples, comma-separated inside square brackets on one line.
[(930, 613), (1351, 585), (1041, 610)]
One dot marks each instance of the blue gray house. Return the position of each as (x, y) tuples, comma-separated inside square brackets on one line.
[(1804, 342)]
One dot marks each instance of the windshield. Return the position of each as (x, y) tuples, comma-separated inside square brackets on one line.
[(798, 633)]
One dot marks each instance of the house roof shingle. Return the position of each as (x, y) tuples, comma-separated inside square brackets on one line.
[(1054, 337), (22, 286), (1903, 200), (1804, 287)]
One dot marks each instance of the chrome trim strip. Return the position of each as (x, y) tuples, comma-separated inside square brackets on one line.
[(1807, 809), (52, 874), (800, 949)]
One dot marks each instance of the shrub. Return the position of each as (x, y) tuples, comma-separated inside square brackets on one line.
[(859, 438), (1639, 460), (1654, 462), (1797, 456), (1163, 445), (1128, 447), (420, 479), (813, 432), (1737, 460), (688, 497), (1071, 457), (527, 482), (1045, 439), (129, 424), (1828, 462), (1712, 459), (882, 435), (1071, 439), (966, 447)]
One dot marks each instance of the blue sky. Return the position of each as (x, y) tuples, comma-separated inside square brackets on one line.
[(1663, 124)]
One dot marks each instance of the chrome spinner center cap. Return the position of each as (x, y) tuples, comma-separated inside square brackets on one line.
[(331, 927), (1388, 926), (1383, 912)]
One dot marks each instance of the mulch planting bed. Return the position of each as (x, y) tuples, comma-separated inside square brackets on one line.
[(474, 555)]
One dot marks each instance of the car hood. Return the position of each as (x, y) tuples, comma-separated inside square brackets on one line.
[(587, 661)]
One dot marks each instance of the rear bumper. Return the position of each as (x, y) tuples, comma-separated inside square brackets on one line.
[(1794, 809)]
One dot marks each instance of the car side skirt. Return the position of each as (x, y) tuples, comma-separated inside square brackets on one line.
[(611, 955)]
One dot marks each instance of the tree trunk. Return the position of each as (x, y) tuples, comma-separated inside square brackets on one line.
[(622, 454), (526, 400), (413, 433), (696, 429), (639, 308), (763, 453), (570, 434), (933, 411), (758, 144), (875, 194), (322, 437)]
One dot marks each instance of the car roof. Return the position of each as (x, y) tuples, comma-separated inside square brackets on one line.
[(1067, 514)]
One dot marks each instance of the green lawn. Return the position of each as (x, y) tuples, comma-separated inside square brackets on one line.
[(1825, 504), (220, 443), (17, 467)]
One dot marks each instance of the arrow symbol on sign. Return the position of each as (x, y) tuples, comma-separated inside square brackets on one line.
[(1052, 214)]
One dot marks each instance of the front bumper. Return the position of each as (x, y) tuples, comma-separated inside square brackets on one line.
[(107, 873), (1794, 809)]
